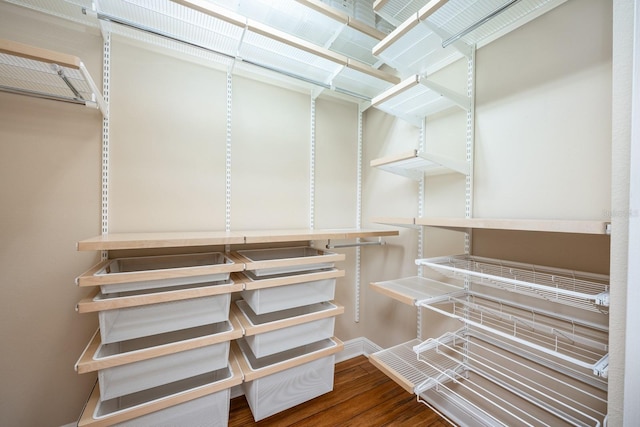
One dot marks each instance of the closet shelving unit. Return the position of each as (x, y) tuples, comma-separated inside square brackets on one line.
[(33, 71), (179, 329), (525, 345)]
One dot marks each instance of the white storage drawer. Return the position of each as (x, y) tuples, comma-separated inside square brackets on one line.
[(132, 322), (282, 381), (275, 332), (100, 356), (290, 291), (275, 261), (207, 411), (136, 273), (137, 376), (168, 404)]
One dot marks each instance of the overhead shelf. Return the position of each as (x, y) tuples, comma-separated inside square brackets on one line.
[(443, 31), (398, 11), (115, 241), (415, 164), (332, 60), (416, 97), (42, 73)]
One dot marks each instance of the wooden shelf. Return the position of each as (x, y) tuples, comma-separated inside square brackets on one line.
[(411, 290), (415, 165), (215, 238), (551, 226), (462, 224)]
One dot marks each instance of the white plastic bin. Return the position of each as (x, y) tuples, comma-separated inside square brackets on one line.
[(287, 329), (279, 391), (143, 374), (276, 261), (135, 273), (267, 300), (138, 321)]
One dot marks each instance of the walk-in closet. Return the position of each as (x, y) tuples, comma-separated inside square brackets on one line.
[(319, 212)]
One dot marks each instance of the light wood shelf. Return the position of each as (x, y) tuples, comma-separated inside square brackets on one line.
[(542, 225), (215, 238)]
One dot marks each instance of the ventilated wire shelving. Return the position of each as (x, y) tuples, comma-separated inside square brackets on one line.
[(577, 289), (579, 343), (32, 71), (486, 385), (442, 31), (338, 58)]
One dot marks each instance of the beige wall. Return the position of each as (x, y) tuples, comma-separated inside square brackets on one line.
[(50, 192), (543, 150)]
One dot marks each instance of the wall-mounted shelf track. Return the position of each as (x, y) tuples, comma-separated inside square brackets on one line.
[(417, 97), (42, 73), (443, 31), (415, 165)]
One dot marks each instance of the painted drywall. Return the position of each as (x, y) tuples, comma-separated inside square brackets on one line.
[(49, 186)]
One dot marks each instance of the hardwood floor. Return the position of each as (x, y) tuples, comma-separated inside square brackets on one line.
[(361, 396)]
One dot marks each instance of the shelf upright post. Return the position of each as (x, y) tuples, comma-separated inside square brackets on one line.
[(470, 143), (227, 214), (421, 149), (312, 163), (356, 310), (106, 80)]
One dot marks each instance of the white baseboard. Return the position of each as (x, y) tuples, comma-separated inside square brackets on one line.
[(357, 347)]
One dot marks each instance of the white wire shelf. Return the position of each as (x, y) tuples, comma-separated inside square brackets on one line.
[(416, 97), (577, 289), (484, 385), (415, 165), (443, 31), (580, 344), (397, 11), (32, 71), (337, 59)]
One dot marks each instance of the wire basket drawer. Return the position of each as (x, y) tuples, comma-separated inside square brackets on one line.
[(277, 261), (139, 321), (151, 372), (267, 300), (149, 272), (276, 332)]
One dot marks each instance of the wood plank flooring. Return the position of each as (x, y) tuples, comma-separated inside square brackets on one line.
[(361, 396)]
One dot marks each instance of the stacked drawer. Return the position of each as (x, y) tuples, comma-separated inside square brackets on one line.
[(162, 351), (287, 354)]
